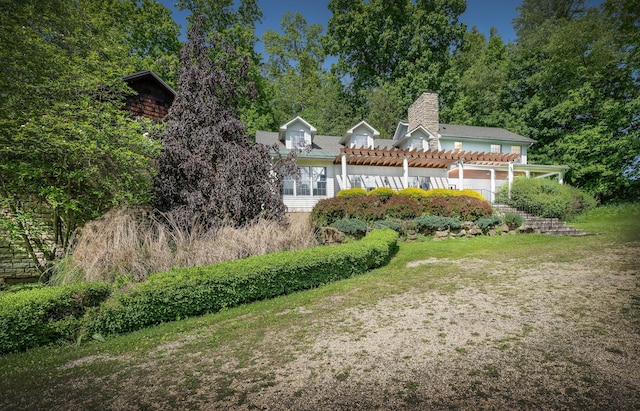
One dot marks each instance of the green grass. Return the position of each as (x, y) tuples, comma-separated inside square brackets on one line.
[(234, 334)]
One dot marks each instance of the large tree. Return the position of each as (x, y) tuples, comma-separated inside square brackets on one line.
[(405, 42), (209, 169), (577, 93), (68, 152)]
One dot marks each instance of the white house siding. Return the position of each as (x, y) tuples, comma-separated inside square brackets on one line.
[(483, 146)]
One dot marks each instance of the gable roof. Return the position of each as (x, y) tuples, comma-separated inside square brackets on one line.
[(398, 142), (484, 133), (141, 75), (374, 133), (283, 128)]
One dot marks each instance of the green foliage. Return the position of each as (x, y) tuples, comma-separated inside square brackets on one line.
[(38, 316), (513, 220), (428, 223), (546, 198), (458, 206), (383, 193), (401, 206), (444, 192), (486, 223), (412, 192), (66, 145), (394, 225), (351, 226), (352, 192), (184, 293)]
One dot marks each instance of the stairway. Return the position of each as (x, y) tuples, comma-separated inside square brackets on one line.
[(541, 225)]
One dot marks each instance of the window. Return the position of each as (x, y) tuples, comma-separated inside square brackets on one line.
[(319, 179), (312, 181), (359, 141), (296, 139), (457, 145), (496, 148), (303, 185), (516, 150), (416, 144), (287, 186), (356, 181)]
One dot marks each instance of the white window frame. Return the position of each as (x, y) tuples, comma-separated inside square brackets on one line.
[(457, 145), (416, 143), (516, 150), (312, 182), (360, 144), (496, 148), (296, 139)]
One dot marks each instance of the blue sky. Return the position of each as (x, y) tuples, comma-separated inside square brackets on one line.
[(482, 13)]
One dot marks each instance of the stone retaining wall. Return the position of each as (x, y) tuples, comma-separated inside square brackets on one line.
[(15, 265)]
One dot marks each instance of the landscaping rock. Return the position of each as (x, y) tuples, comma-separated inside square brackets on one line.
[(332, 235), (505, 228)]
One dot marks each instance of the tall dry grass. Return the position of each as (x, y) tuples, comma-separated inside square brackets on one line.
[(133, 241)]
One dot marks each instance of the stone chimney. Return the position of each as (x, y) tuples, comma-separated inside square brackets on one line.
[(425, 112)]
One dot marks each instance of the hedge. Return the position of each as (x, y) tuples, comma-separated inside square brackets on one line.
[(352, 192), (546, 198), (189, 292), (38, 316)]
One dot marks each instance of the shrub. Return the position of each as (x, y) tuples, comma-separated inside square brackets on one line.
[(469, 208), (546, 198), (327, 211), (486, 223), (428, 223), (383, 193), (38, 316), (183, 293), (135, 242), (352, 192), (391, 224), (447, 193), (513, 220), (402, 207), (351, 226), (412, 192), (436, 205)]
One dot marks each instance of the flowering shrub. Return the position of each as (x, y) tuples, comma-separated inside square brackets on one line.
[(352, 192), (412, 192), (383, 193), (445, 192)]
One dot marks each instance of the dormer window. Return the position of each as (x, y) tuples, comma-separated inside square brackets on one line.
[(360, 140), (296, 139), (416, 144)]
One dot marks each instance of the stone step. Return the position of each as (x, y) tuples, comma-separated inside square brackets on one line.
[(542, 225)]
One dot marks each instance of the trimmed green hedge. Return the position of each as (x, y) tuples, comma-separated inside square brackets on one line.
[(184, 293), (38, 316)]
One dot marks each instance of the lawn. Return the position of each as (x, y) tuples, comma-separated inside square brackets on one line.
[(522, 321)]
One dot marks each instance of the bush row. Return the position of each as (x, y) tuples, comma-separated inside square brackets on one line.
[(184, 293), (385, 193), (30, 318), (372, 208), (33, 317), (546, 198)]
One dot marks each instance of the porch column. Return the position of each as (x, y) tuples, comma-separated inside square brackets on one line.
[(510, 179), (460, 175), (405, 176), (343, 161), (493, 185)]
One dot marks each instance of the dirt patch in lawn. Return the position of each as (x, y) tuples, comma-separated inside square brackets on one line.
[(522, 335)]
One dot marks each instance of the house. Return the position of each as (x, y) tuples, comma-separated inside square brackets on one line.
[(154, 97), (422, 153)]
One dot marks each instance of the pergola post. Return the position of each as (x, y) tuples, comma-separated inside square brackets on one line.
[(343, 161), (561, 178), (405, 175), (460, 175)]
